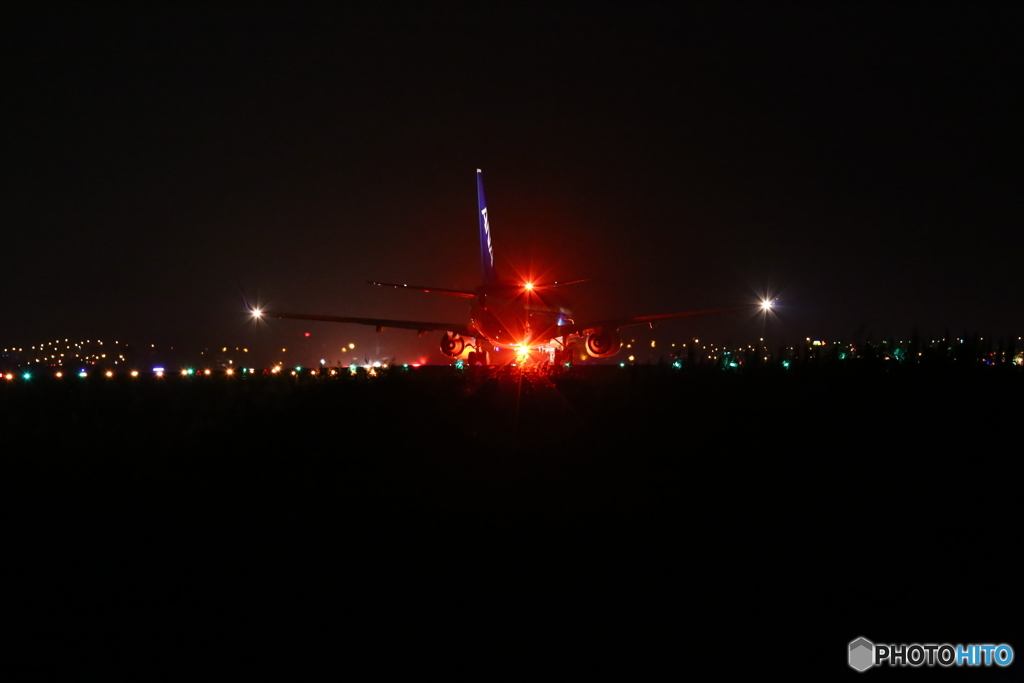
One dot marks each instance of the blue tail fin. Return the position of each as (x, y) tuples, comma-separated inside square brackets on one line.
[(486, 250)]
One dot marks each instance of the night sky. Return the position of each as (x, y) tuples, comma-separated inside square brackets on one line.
[(160, 167)]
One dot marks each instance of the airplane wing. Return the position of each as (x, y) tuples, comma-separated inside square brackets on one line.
[(379, 323), (651, 320)]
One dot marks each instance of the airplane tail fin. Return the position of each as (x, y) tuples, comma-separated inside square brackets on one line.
[(486, 249)]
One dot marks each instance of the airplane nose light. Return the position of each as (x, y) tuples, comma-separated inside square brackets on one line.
[(528, 286), (767, 303), (256, 313)]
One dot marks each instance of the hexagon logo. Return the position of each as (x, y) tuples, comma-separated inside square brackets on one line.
[(862, 654)]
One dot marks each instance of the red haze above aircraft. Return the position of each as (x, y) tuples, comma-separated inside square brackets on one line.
[(508, 314)]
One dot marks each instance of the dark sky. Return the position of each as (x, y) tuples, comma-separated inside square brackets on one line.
[(863, 163)]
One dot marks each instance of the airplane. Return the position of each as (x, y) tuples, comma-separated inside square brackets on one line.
[(508, 314)]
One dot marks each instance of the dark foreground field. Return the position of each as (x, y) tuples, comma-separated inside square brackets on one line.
[(621, 520)]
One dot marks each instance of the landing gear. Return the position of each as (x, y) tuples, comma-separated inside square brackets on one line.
[(478, 358)]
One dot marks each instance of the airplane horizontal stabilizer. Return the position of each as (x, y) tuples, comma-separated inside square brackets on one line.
[(432, 290), (552, 285)]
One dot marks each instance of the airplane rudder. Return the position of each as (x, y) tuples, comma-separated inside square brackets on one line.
[(486, 246)]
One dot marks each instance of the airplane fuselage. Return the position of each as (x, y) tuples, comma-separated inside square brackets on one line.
[(510, 316)]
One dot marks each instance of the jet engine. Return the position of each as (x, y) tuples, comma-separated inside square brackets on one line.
[(452, 345), (602, 343)]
